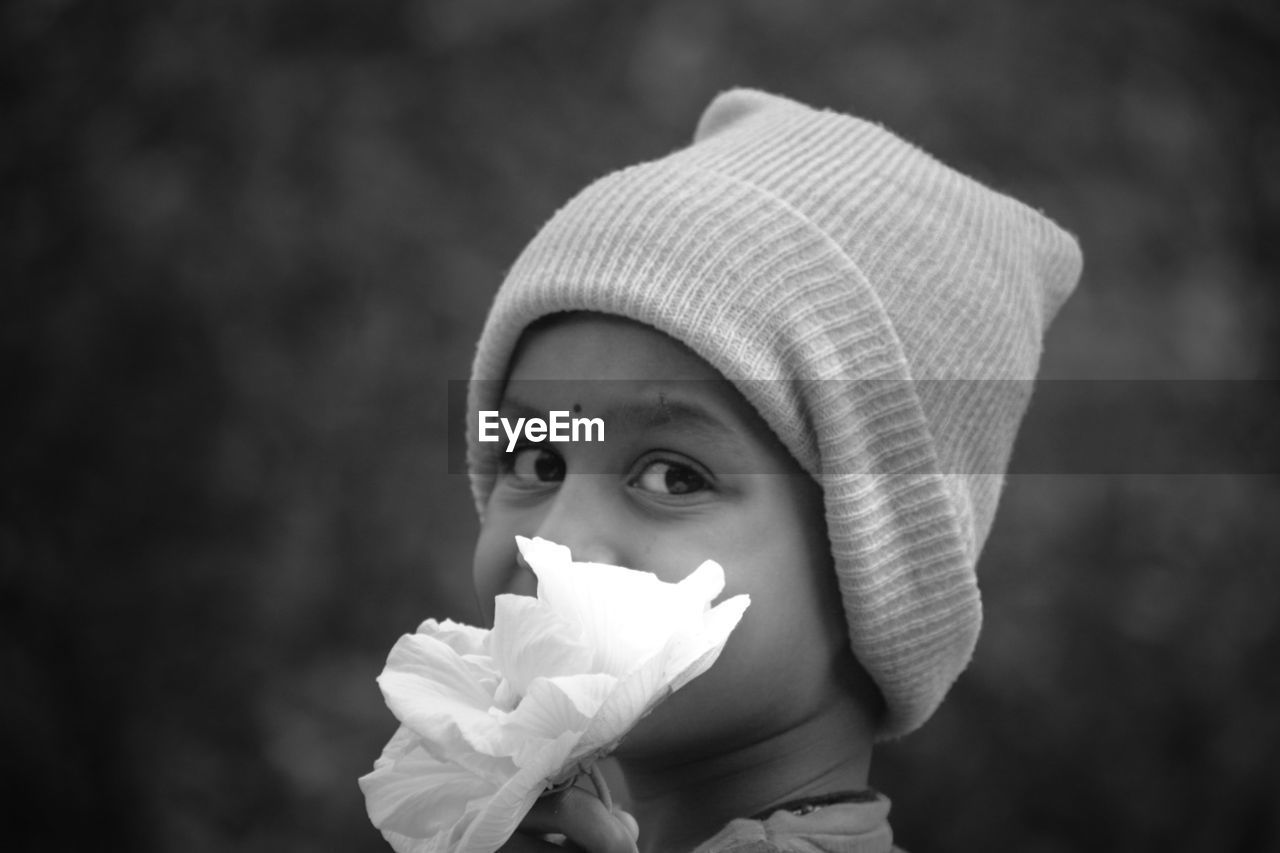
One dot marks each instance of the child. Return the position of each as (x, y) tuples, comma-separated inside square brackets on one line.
[(752, 318)]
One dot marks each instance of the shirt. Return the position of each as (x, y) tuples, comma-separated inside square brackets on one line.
[(861, 827)]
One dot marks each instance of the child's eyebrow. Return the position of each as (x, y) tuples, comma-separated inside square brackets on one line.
[(667, 412)]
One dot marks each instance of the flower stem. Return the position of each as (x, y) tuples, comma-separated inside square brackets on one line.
[(602, 787)]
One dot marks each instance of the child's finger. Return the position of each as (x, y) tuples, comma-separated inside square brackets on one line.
[(632, 827), (584, 821), (522, 843)]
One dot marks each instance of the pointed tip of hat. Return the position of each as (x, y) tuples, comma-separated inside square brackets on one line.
[(734, 105)]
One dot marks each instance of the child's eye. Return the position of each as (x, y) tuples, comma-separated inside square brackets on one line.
[(665, 477), (535, 465)]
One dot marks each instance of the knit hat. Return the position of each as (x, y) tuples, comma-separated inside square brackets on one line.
[(870, 303)]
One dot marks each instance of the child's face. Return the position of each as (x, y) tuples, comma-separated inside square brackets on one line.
[(688, 472)]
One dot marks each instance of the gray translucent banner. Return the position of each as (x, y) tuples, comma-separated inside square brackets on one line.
[(1071, 426)]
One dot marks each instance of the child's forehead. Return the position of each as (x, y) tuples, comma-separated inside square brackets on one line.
[(705, 406), (601, 347), (598, 361), (635, 376)]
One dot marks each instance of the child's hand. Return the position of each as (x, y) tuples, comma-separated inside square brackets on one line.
[(582, 819)]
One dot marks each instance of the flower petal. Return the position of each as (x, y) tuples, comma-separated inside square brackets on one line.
[(441, 695), (553, 707), (412, 793), (497, 818), (704, 583), (530, 640), (627, 616), (463, 639), (426, 806)]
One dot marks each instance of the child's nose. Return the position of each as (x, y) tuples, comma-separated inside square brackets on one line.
[(580, 520)]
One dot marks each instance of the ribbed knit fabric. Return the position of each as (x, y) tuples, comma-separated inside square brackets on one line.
[(825, 266)]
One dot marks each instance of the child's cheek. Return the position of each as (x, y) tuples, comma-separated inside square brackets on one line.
[(493, 569), (722, 705)]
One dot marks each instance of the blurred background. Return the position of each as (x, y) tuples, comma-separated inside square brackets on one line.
[(245, 245)]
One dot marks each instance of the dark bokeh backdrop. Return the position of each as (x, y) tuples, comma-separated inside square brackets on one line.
[(245, 244)]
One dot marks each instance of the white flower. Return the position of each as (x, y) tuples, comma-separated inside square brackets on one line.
[(491, 719)]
